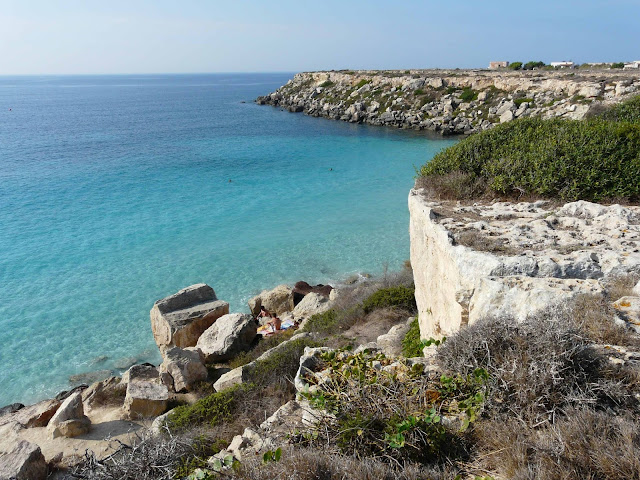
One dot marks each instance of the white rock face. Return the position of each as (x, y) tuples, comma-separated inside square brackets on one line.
[(180, 319), (230, 335), (477, 260), (24, 462)]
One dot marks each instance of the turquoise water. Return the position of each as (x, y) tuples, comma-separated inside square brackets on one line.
[(115, 191)]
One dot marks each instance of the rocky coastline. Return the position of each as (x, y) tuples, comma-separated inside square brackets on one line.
[(450, 102)]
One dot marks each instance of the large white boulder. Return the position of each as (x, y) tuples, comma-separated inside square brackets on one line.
[(311, 304), (69, 420), (185, 367), (24, 462), (230, 335), (180, 319)]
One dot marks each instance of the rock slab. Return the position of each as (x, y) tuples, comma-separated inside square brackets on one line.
[(24, 462), (230, 335), (180, 319)]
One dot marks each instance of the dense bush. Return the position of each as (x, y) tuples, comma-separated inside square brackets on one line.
[(515, 65), (399, 415), (468, 94), (532, 65), (590, 160), (628, 111), (411, 343), (617, 65), (399, 296), (538, 368)]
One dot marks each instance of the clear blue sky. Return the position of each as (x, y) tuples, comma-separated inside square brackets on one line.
[(154, 36)]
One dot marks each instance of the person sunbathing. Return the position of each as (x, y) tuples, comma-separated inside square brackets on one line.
[(264, 313), (275, 323)]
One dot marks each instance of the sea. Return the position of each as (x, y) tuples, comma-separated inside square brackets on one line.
[(116, 191)]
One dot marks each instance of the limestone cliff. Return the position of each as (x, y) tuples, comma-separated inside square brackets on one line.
[(470, 261), (450, 101)]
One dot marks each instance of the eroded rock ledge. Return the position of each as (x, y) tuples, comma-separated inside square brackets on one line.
[(470, 261), (450, 101)]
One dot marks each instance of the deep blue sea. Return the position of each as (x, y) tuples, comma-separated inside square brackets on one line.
[(116, 191)]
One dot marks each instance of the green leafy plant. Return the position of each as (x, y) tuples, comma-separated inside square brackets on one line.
[(272, 456), (399, 296)]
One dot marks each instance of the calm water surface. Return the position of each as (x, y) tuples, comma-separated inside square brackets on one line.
[(119, 190)]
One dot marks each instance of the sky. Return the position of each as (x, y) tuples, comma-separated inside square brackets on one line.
[(201, 36)]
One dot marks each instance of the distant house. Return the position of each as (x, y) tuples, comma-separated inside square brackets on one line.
[(630, 65), (494, 65), (562, 64)]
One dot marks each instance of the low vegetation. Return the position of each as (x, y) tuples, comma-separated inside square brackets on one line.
[(595, 159)]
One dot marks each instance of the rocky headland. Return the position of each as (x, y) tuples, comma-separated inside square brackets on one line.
[(451, 101)]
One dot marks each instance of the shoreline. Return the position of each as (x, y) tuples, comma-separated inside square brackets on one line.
[(85, 379), (451, 102)]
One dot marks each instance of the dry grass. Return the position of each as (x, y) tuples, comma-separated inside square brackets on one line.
[(318, 464), (621, 286), (539, 368), (584, 444), (452, 186), (594, 315)]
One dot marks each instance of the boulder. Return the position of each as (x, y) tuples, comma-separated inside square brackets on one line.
[(69, 420), (141, 372), (147, 394), (628, 310), (180, 319), (107, 392), (185, 367), (311, 304), (300, 289), (145, 399), (24, 462), (32, 416), (391, 342), (279, 300), (232, 378), (230, 335), (9, 409)]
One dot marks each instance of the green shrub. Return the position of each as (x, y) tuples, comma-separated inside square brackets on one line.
[(515, 65), (532, 65), (362, 83), (628, 111), (396, 415), (399, 296), (590, 160), (520, 101), (327, 83), (325, 322), (212, 409), (468, 94), (411, 343), (617, 65)]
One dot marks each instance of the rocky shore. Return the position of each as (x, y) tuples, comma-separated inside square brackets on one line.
[(193, 330), (450, 101), (469, 261)]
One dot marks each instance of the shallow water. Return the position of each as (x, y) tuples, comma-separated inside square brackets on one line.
[(119, 190)]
